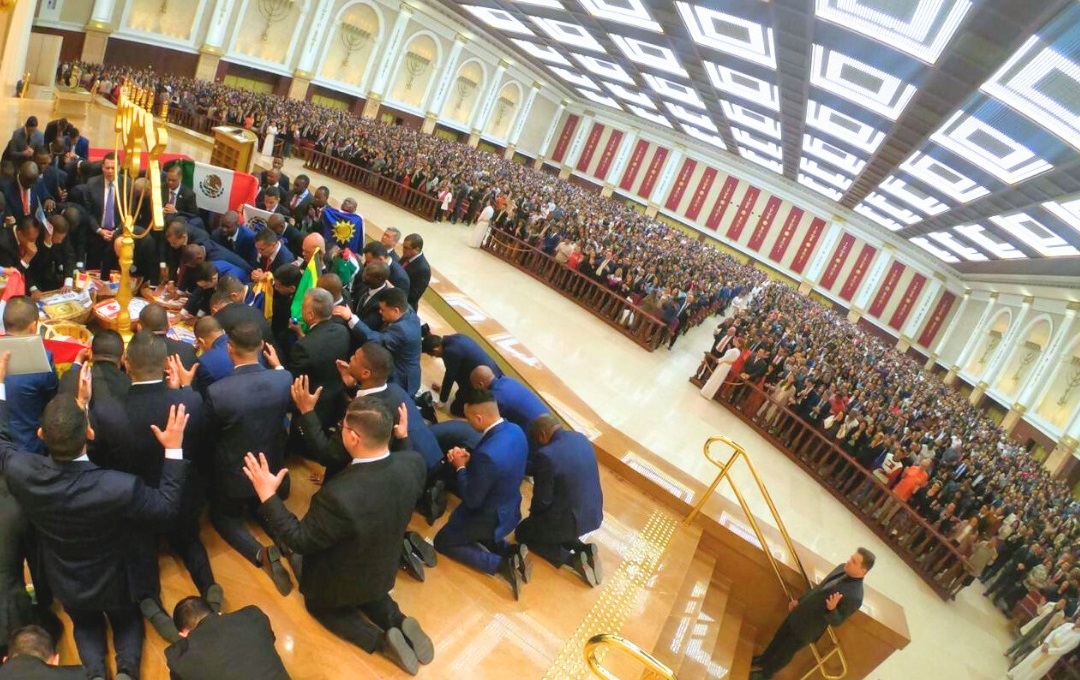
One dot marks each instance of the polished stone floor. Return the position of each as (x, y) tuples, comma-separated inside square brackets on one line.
[(647, 395)]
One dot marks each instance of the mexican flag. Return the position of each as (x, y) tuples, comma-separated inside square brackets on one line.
[(217, 189), (307, 280)]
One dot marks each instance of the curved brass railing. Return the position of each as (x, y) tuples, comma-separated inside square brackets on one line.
[(598, 646), (739, 453)]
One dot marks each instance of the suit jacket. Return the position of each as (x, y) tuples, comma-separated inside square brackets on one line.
[(517, 403), (105, 379), (183, 350), (14, 549), (214, 364), (33, 668), (185, 199), (399, 278), (365, 304), (53, 180), (52, 266), (236, 313), (284, 256), (402, 340), (20, 141), (28, 394), (810, 617), (10, 255), (212, 649), (351, 535), (566, 492), (314, 355), (490, 483), (85, 517), (243, 245), (300, 211), (461, 354), (38, 193), (419, 272), (246, 412), (94, 202)]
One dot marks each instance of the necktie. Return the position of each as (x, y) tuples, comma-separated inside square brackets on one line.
[(107, 217), (26, 201), (172, 198), (295, 200)]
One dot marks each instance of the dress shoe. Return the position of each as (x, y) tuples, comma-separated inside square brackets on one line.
[(397, 649), (215, 595), (418, 640), (161, 621), (434, 502), (524, 564), (270, 559), (424, 550), (592, 554), (509, 570), (580, 564), (410, 561)]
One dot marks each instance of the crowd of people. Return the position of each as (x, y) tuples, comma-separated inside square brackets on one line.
[(138, 438)]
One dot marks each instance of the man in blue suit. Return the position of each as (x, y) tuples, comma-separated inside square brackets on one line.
[(25, 195), (29, 392), (235, 237), (400, 335), (567, 500), (517, 403), (489, 483), (214, 362), (461, 355)]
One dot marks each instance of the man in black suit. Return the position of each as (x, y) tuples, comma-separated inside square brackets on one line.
[(84, 516), (289, 234), (106, 351), (211, 643), (365, 294), (154, 319), (246, 412), (175, 197), (829, 603), (272, 253), (352, 535), (299, 199), (377, 252), (32, 656), (235, 237), (227, 304), (54, 129), (416, 266), (101, 197), (316, 355)]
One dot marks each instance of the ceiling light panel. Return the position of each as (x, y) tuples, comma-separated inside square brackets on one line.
[(752, 119), (1035, 234), (629, 95), (554, 4), (913, 195), (842, 126), (543, 52), (764, 161), (810, 182), (600, 98), (834, 155), (884, 220), (568, 34), (649, 54), (1066, 211), (575, 78), (692, 117), (939, 253), (963, 250), (605, 68), (629, 12), (500, 19), (949, 181), (649, 115), (1003, 250), (921, 28), (764, 146), (881, 203), (684, 94), (715, 140), (735, 35), (989, 148), (742, 85), (836, 179), (858, 82)]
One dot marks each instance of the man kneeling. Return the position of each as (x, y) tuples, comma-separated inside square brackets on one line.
[(211, 644), (351, 536)]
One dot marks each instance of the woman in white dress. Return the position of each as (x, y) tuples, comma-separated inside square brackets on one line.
[(1057, 644), (479, 232), (268, 140), (720, 373)]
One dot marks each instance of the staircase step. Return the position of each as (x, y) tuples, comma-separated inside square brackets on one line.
[(697, 662), (744, 655), (685, 610)]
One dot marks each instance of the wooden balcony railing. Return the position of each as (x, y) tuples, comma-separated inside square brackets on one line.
[(196, 122), (417, 202), (934, 557), (614, 309)]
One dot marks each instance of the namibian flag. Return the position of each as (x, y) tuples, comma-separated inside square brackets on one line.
[(217, 189), (309, 279), (346, 230)]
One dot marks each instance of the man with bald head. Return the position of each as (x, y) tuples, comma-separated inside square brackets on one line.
[(311, 244), (155, 319), (25, 195), (517, 403), (289, 235), (235, 237)]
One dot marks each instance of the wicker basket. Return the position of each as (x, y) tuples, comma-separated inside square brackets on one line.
[(73, 311), (67, 329)]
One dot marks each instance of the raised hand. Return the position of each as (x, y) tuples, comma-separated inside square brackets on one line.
[(86, 386), (305, 401), (172, 437), (271, 355), (178, 376), (343, 370), (265, 483), (401, 430)]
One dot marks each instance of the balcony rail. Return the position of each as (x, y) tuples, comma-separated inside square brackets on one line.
[(417, 202)]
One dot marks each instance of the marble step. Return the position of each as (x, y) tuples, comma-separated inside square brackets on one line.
[(674, 636), (717, 611)]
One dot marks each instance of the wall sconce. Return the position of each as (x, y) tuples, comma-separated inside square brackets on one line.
[(465, 87), (1072, 380), (991, 345), (415, 64), (273, 11), (501, 107), (1031, 350), (353, 38)]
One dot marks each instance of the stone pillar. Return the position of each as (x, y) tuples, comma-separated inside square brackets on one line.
[(208, 64), (854, 314), (523, 114), (371, 106), (15, 25), (903, 344), (394, 43), (221, 20), (1056, 462), (651, 210), (1039, 379), (667, 174), (445, 83), (298, 87), (1015, 414), (428, 126), (94, 43), (1008, 344), (974, 340), (931, 361), (550, 136), (873, 278), (508, 152), (474, 139), (316, 35), (608, 190), (483, 113), (805, 287), (977, 394), (954, 322)]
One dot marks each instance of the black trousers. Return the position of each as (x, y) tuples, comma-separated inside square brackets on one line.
[(554, 544), (364, 625), (783, 647), (230, 516), (90, 629)]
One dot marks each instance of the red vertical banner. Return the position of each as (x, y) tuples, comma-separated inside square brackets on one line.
[(679, 187), (610, 149), (633, 165), (888, 286), (653, 173), (908, 301), (722, 202), (937, 317), (836, 262), (794, 216), (741, 217), (764, 224), (806, 248), (703, 188), (564, 138), (862, 263), (590, 146)]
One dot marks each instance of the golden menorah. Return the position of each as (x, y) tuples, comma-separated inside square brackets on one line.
[(137, 133)]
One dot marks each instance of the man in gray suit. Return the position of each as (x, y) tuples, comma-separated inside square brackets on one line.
[(24, 140)]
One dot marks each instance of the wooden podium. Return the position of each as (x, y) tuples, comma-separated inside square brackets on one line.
[(234, 148)]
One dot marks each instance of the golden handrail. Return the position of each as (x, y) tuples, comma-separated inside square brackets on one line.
[(598, 646), (739, 453)]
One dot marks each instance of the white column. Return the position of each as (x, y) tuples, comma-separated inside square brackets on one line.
[(220, 23), (394, 43), (483, 113), (446, 78), (976, 337), (667, 176), (954, 322), (578, 143), (1039, 379), (13, 60), (523, 115), (873, 278), (313, 41), (622, 157), (824, 249), (550, 136), (1008, 344), (915, 320), (101, 14)]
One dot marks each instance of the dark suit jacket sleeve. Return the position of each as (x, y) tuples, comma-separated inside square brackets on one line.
[(847, 606), (328, 452), (160, 504), (322, 526), (299, 360), (452, 365), (475, 480), (544, 484)]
